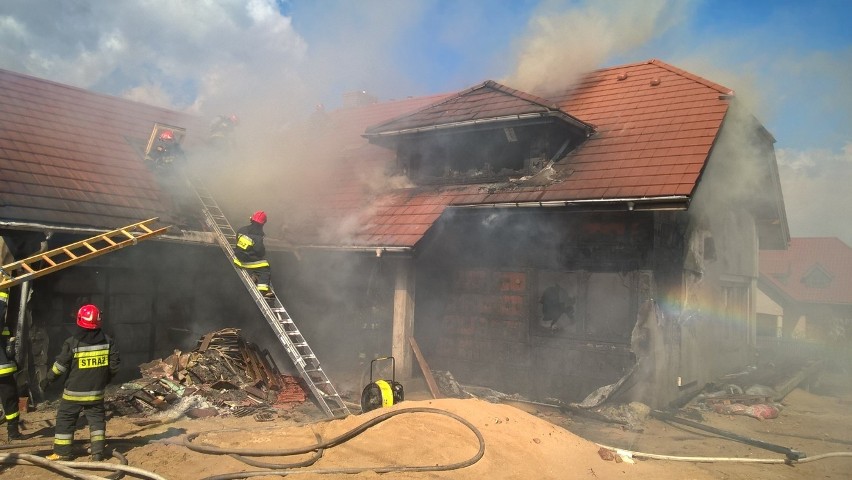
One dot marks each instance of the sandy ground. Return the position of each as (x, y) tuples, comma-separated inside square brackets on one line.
[(522, 441)]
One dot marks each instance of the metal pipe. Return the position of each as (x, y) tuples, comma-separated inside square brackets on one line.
[(674, 199), (186, 237), (22, 312), (379, 251)]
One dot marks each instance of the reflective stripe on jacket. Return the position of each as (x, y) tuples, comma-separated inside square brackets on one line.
[(249, 251), (90, 359)]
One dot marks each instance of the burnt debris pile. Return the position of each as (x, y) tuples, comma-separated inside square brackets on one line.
[(223, 375)]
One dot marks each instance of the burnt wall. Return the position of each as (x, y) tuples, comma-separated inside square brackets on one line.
[(482, 286), (155, 297), (343, 305)]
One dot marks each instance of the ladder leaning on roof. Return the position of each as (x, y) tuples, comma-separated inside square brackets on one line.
[(48, 262), (276, 315)]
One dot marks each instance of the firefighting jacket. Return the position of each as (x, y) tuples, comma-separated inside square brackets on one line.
[(7, 363), (90, 358), (250, 251)]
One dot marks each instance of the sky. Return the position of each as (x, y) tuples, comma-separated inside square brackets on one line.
[(273, 61)]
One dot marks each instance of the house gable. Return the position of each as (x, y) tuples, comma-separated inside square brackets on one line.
[(486, 133)]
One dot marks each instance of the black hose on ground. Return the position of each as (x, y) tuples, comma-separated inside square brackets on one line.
[(789, 452), (340, 439)]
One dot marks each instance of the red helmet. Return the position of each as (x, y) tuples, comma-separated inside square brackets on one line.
[(233, 119), (258, 217), (89, 317), (167, 136)]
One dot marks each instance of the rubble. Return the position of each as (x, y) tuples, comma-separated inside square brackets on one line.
[(223, 375)]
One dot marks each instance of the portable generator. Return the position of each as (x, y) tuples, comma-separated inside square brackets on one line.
[(381, 393)]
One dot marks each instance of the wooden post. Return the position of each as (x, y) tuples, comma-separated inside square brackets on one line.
[(424, 367), (403, 316)]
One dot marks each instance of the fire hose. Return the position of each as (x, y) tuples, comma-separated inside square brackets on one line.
[(320, 446), (72, 469)]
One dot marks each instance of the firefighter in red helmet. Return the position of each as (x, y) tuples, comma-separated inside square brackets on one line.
[(222, 128), (166, 153), (90, 359), (250, 253)]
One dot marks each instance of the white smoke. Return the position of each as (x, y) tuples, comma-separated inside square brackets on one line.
[(816, 186), (563, 43)]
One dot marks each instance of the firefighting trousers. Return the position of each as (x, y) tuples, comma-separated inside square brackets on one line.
[(261, 274), (9, 394), (66, 422)]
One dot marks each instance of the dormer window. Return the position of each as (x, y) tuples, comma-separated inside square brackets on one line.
[(484, 134), (817, 277)]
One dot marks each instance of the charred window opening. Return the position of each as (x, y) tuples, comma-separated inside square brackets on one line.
[(483, 155)]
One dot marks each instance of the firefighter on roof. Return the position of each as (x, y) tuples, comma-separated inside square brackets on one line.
[(249, 252), (90, 359), (222, 129), (166, 153)]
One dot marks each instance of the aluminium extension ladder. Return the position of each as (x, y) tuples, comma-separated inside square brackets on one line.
[(276, 315), (48, 262)]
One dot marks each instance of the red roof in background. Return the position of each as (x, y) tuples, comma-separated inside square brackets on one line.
[(66, 159), (785, 270), (654, 127)]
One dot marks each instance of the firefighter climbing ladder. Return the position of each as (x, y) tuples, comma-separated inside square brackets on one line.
[(48, 262), (276, 315)]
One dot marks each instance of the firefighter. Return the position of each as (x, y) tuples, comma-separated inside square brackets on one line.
[(223, 126), (8, 385), (250, 252), (91, 360), (166, 154)]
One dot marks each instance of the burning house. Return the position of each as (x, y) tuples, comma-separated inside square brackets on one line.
[(603, 239)]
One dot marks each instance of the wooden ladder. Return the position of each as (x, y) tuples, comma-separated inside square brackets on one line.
[(48, 262)]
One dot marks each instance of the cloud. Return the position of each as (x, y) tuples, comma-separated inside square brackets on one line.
[(816, 191), (186, 55)]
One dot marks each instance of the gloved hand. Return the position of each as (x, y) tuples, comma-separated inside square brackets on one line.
[(43, 384)]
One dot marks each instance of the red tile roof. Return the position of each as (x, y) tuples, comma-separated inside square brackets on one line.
[(654, 127), (66, 157), (786, 270)]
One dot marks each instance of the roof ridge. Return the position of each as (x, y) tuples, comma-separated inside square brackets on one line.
[(527, 97), (522, 94), (715, 86)]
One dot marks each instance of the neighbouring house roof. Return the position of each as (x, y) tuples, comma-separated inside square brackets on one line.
[(654, 127), (811, 270), (74, 159)]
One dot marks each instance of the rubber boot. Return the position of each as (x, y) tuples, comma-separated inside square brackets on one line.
[(13, 430), (97, 450)]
